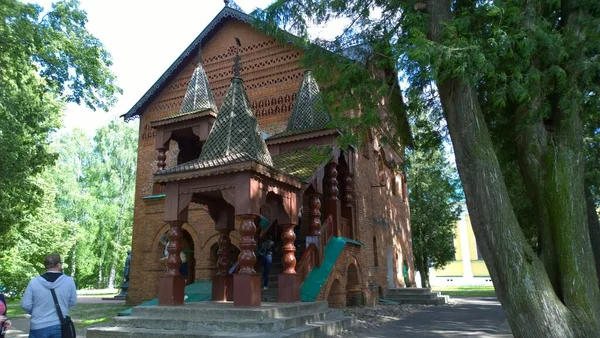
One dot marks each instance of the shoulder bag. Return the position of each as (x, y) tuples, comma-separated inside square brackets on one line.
[(66, 324)]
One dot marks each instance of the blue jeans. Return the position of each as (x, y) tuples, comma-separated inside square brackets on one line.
[(47, 332), (267, 260)]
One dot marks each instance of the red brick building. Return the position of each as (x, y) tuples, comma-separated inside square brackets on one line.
[(311, 192)]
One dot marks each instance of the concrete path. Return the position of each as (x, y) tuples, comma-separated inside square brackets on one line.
[(20, 326), (480, 317)]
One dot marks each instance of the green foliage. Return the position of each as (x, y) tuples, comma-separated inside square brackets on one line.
[(45, 61), (97, 182), (434, 193), (86, 213)]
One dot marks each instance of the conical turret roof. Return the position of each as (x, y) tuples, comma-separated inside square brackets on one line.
[(309, 112), (198, 96), (235, 136)]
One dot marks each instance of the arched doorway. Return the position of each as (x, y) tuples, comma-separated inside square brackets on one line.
[(354, 294), (336, 297), (232, 256), (187, 247)]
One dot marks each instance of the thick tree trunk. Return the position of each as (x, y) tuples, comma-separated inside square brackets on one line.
[(522, 285), (425, 277), (594, 228)]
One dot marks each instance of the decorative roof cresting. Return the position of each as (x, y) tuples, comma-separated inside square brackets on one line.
[(199, 96), (235, 136), (309, 111)]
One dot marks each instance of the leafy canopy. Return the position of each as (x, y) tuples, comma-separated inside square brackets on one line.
[(46, 60)]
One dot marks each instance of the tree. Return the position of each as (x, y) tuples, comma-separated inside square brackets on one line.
[(433, 195), (517, 81), (96, 182), (45, 61), (111, 182)]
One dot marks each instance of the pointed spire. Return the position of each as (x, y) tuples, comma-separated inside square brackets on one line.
[(198, 96), (309, 112), (235, 136), (232, 4)]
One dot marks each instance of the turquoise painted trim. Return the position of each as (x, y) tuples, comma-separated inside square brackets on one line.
[(349, 240), (318, 276), (198, 292), (153, 196), (387, 301)]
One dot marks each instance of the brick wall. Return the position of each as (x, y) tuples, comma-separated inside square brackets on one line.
[(271, 76)]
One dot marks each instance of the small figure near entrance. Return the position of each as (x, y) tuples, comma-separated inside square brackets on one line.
[(265, 253)]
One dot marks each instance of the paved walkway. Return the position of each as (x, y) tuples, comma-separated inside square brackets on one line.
[(20, 326), (480, 317)]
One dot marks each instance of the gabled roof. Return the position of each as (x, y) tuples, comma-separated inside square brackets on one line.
[(309, 111), (199, 96), (183, 59)]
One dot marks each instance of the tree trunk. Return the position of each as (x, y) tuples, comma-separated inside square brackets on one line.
[(111, 277), (594, 229), (522, 285), (425, 277)]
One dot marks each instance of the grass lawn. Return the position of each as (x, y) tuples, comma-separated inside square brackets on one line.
[(467, 291), (83, 315)]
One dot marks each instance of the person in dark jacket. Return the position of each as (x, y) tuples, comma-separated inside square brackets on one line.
[(4, 322), (266, 254)]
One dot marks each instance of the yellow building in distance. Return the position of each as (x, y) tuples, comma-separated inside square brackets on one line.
[(468, 267)]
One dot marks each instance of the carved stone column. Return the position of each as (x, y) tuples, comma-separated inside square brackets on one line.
[(289, 281), (172, 284), (161, 158), (246, 283), (222, 286)]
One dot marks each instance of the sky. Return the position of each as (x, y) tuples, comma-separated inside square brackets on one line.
[(144, 39)]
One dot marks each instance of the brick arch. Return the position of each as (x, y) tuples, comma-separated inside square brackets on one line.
[(336, 297), (186, 226), (352, 260), (215, 238), (335, 275)]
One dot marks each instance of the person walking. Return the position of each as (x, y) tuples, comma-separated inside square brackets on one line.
[(4, 322), (39, 303), (266, 254)]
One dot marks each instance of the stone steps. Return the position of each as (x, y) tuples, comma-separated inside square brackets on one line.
[(223, 320), (416, 296)]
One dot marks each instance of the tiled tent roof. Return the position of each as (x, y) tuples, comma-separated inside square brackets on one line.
[(235, 137), (309, 111), (198, 96), (303, 162), (236, 131), (187, 55)]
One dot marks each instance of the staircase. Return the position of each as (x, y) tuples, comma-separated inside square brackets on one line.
[(205, 319), (270, 295), (416, 296)]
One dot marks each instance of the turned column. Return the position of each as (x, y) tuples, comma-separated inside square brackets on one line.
[(224, 247), (315, 216), (172, 284), (288, 238), (246, 283), (289, 281), (333, 206), (161, 158), (348, 190), (222, 288)]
